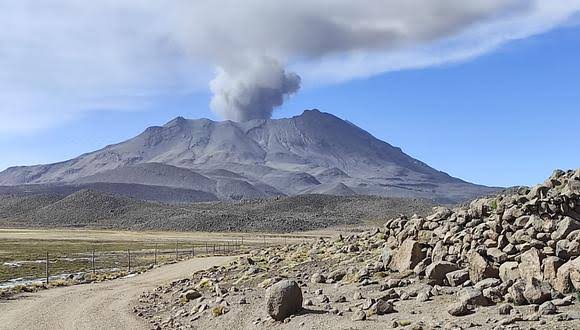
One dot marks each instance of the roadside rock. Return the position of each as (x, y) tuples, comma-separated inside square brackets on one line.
[(190, 295), (283, 299)]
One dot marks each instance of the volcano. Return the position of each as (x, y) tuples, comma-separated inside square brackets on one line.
[(314, 152)]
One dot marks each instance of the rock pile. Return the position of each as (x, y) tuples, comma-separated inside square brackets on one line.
[(491, 264), (523, 247)]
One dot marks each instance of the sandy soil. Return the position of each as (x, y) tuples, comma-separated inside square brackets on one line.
[(105, 305)]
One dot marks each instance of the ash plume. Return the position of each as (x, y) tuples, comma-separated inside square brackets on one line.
[(127, 54), (252, 91)]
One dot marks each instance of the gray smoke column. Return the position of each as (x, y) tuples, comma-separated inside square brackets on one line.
[(124, 54), (253, 90)]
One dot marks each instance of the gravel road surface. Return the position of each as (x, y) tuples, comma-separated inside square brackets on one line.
[(105, 305)]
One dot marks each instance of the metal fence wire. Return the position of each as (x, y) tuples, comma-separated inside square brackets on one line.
[(55, 265)]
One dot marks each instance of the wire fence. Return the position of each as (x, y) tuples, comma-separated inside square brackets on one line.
[(99, 258)]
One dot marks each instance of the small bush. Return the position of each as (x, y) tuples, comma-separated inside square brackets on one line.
[(217, 310)]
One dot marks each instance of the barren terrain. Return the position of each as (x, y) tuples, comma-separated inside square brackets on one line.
[(105, 305)]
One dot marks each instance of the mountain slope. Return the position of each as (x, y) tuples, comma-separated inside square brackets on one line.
[(254, 159), (92, 209)]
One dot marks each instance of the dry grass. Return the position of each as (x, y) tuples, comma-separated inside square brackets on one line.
[(70, 251)]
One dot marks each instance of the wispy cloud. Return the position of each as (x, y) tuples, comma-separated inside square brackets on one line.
[(61, 58)]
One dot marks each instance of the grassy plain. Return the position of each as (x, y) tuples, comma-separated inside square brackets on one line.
[(23, 251)]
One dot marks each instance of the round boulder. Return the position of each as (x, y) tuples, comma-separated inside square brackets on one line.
[(283, 299)]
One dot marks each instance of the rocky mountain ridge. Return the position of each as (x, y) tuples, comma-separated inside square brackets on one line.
[(314, 152)]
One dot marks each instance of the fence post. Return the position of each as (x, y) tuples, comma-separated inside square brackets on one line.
[(176, 250), (93, 262), (155, 257), (206, 250), (214, 249), (192, 250), (129, 260), (47, 272)]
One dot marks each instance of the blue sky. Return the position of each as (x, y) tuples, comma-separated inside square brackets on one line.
[(506, 117)]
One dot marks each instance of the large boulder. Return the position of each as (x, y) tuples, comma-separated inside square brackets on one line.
[(439, 252), (386, 256), (516, 292), (473, 296), (532, 291), (407, 256), (509, 272), (565, 227), (437, 271), (551, 265), (457, 277), (497, 255), (537, 292), (531, 265), (480, 268), (283, 299), (568, 276)]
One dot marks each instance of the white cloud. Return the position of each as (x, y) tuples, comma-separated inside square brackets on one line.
[(61, 58)]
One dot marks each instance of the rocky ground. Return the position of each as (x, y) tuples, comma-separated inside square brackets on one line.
[(92, 209), (505, 262)]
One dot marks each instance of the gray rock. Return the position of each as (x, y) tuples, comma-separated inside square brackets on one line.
[(547, 308), (317, 278), (505, 309), (531, 265), (516, 292), (190, 295), (565, 227), (459, 309), (487, 283), (437, 271), (568, 276), (381, 307), (509, 272), (283, 299), (473, 296), (368, 303), (480, 268), (551, 265), (494, 294), (422, 297), (408, 255), (386, 256), (537, 292), (457, 277), (497, 255), (359, 316), (337, 275)]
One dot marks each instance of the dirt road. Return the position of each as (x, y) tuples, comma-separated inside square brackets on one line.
[(105, 305)]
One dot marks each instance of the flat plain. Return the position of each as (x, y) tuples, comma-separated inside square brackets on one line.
[(23, 251)]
